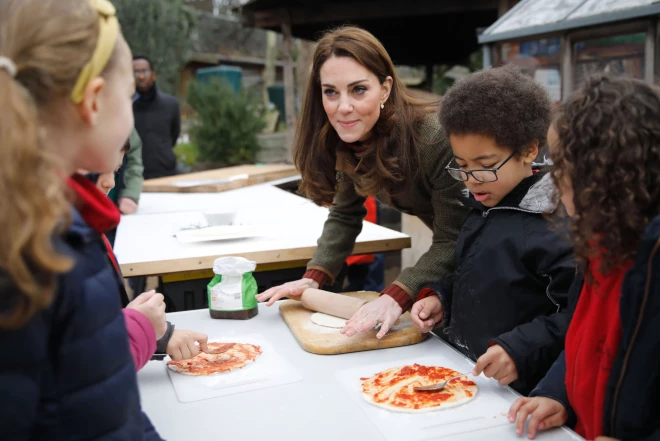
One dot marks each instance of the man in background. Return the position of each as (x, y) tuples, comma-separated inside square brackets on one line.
[(157, 120)]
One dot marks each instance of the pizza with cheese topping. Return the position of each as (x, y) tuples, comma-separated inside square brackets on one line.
[(235, 356), (392, 389)]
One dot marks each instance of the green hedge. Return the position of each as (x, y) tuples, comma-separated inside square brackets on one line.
[(226, 124)]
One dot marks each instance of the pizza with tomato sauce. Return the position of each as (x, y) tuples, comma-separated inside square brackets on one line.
[(392, 389), (230, 356)]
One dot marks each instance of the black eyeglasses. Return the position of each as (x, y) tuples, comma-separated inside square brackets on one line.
[(485, 175)]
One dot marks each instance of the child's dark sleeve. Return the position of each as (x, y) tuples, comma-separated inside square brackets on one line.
[(553, 385), (148, 430), (24, 362), (655, 436), (161, 345), (534, 346)]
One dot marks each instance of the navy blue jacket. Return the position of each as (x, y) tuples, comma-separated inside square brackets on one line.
[(68, 374), (632, 401), (513, 272)]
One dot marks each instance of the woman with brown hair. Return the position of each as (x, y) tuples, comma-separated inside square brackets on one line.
[(362, 133)]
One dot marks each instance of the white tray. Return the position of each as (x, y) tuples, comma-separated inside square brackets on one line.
[(488, 409), (268, 370)]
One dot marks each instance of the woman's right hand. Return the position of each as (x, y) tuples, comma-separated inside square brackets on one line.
[(152, 306), (544, 413), (292, 290)]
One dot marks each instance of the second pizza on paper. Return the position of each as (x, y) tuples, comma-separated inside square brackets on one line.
[(393, 389), (230, 357)]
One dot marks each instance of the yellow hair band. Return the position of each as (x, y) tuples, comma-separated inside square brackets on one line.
[(105, 45)]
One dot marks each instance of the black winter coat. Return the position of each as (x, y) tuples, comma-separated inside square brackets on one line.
[(513, 272), (68, 374), (632, 401), (158, 122)]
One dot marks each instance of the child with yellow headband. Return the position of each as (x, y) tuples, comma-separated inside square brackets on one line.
[(66, 80)]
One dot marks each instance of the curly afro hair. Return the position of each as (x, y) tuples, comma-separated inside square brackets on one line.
[(502, 103), (608, 150)]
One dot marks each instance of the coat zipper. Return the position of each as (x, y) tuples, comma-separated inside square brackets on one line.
[(547, 291), (485, 213), (626, 358)]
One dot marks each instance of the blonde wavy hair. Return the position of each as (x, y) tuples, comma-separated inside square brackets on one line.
[(49, 41)]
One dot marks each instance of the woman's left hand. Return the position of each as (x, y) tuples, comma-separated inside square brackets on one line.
[(384, 310)]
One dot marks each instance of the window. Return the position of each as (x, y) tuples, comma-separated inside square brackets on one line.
[(538, 58), (621, 55)]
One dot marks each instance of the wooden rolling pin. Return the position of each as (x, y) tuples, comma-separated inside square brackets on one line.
[(330, 303)]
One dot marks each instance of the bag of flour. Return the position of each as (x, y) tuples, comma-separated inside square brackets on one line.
[(232, 291)]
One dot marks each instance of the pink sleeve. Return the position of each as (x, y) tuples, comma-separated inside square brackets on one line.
[(141, 337)]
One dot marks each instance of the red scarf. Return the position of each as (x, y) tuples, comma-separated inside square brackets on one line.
[(98, 211), (591, 345)]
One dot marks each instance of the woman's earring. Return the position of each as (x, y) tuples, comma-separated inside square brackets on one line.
[(382, 105)]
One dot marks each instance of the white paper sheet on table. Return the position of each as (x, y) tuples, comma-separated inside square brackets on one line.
[(269, 370), (221, 232), (486, 410)]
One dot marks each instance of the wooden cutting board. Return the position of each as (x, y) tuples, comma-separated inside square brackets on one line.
[(213, 181), (329, 341)]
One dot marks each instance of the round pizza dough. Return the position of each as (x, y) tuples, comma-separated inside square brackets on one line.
[(236, 357), (393, 389), (444, 406), (329, 321)]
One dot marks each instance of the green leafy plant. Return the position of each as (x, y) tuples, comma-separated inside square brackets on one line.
[(186, 153), (226, 123), (162, 30)]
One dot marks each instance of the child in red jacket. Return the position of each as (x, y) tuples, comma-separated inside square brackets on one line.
[(605, 145)]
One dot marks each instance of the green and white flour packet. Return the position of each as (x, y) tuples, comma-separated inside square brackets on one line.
[(233, 288)]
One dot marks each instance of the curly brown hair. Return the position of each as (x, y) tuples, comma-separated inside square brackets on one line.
[(391, 157), (502, 103), (608, 150)]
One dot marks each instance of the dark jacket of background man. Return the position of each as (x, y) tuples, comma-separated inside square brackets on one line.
[(157, 120)]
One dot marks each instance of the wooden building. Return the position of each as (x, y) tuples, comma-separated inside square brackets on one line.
[(561, 42)]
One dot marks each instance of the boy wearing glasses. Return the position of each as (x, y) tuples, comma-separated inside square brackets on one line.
[(506, 304)]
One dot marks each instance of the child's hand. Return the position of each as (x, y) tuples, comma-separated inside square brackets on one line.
[(545, 413), (427, 312), (182, 344), (496, 363), (152, 306), (127, 206)]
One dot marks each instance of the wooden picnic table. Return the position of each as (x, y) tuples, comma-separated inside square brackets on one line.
[(221, 179)]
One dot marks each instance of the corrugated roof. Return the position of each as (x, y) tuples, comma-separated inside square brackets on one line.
[(535, 17)]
